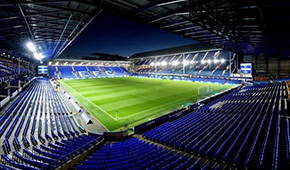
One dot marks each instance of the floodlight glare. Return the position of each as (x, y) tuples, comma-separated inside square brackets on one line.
[(31, 46), (185, 62), (193, 62), (158, 63), (175, 63), (208, 61), (38, 56), (152, 64), (202, 61), (216, 61), (222, 60), (163, 63)]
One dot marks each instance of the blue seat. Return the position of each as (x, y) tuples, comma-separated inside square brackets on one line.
[(30, 162), (37, 157)]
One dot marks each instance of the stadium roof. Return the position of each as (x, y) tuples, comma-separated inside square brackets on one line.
[(246, 27), (176, 50), (50, 24)]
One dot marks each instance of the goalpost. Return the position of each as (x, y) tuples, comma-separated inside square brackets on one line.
[(204, 90)]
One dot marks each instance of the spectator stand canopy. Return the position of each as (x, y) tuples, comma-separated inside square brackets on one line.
[(50, 24), (248, 27)]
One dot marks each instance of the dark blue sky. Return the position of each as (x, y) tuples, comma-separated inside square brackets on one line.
[(115, 35)]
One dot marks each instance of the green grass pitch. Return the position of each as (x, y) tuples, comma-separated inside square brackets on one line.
[(136, 99)]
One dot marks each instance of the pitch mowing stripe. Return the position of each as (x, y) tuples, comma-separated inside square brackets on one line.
[(165, 104), (113, 106), (126, 100), (137, 107), (110, 92), (92, 103), (134, 107), (112, 100), (111, 95), (148, 98)]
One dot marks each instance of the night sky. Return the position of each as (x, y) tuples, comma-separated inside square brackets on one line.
[(115, 35)]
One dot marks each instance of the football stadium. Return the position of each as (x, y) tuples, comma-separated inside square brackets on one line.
[(143, 84)]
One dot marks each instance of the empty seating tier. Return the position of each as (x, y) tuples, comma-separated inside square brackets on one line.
[(243, 129), (138, 154), (38, 132)]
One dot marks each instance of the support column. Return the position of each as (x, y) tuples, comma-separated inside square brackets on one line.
[(155, 64), (8, 92), (19, 65), (279, 66), (19, 84), (183, 64), (230, 60), (267, 65)]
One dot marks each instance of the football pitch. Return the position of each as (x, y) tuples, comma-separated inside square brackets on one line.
[(132, 100)]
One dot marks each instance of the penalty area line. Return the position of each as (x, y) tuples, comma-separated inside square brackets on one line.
[(92, 103)]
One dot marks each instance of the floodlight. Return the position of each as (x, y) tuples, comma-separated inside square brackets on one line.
[(158, 63), (208, 61), (203, 61), (50, 63), (163, 63), (216, 61), (223, 60), (175, 63), (185, 62), (38, 56), (152, 64), (192, 62), (31, 46)]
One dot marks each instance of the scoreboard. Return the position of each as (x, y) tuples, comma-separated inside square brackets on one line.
[(42, 69), (246, 68)]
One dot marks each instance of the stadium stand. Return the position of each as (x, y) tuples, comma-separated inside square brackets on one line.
[(203, 63), (74, 72), (54, 138), (137, 154), (221, 129)]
